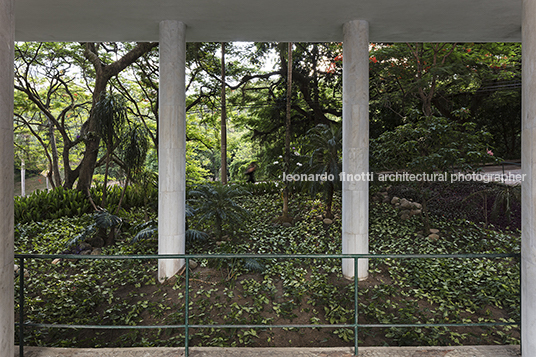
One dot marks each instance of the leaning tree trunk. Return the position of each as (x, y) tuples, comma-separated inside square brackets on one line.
[(56, 178), (92, 140)]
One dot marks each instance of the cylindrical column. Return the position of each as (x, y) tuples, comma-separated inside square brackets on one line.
[(7, 37), (528, 188), (171, 147), (355, 146)]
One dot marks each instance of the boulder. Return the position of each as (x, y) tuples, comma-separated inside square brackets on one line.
[(86, 252), (84, 246), (327, 221), (405, 204), (434, 231), (96, 251), (287, 224), (395, 200), (405, 214), (433, 237), (193, 264)]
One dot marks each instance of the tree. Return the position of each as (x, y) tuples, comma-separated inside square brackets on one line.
[(103, 69), (324, 148), (110, 115), (49, 100), (431, 145), (462, 82), (133, 152), (316, 99), (285, 215), (45, 74), (223, 119)]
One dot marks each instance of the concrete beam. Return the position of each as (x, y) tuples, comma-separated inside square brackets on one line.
[(528, 188), (355, 145), (171, 147), (7, 37)]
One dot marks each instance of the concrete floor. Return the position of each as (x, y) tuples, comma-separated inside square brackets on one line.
[(456, 351)]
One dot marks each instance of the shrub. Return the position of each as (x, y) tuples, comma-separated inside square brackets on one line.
[(42, 205)]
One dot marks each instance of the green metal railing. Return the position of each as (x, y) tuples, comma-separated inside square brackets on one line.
[(186, 326)]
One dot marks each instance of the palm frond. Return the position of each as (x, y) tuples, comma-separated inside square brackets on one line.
[(105, 219), (254, 265), (146, 233), (193, 235)]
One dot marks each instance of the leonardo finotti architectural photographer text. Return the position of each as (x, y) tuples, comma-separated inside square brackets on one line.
[(406, 176)]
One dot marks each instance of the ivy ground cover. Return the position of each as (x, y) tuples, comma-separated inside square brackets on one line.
[(282, 291)]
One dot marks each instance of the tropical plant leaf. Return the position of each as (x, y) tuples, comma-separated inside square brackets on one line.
[(193, 235), (254, 265), (146, 233), (105, 219), (86, 233)]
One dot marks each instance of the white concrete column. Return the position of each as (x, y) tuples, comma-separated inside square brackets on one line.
[(7, 37), (355, 145), (528, 188), (171, 147)]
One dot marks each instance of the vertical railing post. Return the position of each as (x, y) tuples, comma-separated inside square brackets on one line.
[(356, 306), (21, 307), (187, 303)]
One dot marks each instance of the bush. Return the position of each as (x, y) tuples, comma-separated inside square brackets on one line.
[(61, 202), (42, 205)]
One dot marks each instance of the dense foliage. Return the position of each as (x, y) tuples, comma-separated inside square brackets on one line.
[(279, 291), (56, 83), (433, 107)]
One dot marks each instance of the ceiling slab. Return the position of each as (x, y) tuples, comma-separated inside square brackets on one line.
[(269, 20)]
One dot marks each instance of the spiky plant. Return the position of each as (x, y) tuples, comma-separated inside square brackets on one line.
[(217, 203)]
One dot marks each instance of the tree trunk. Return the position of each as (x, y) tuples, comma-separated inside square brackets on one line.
[(22, 178), (56, 178), (105, 183), (329, 200), (123, 194), (425, 217), (287, 131), (223, 119), (69, 175), (92, 140)]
